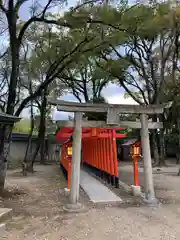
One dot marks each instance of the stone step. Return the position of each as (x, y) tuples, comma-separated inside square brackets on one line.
[(5, 214), (2, 229)]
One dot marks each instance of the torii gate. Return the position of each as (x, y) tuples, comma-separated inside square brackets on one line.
[(113, 111)]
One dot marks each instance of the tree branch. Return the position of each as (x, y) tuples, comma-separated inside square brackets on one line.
[(136, 85), (51, 74), (122, 83), (83, 4), (2, 7), (46, 7), (40, 19)]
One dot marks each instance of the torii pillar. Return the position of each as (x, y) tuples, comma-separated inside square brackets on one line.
[(76, 159), (148, 175), (75, 205)]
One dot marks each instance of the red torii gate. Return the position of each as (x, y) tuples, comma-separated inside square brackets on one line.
[(98, 151)]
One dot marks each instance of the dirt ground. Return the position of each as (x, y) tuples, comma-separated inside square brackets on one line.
[(37, 204), (166, 181)]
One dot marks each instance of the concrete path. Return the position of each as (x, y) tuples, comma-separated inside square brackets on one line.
[(97, 192)]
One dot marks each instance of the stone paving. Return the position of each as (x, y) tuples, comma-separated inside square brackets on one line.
[(97, 191)]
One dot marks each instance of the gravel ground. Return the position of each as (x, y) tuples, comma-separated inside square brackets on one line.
[(166, 181), (38, 215)]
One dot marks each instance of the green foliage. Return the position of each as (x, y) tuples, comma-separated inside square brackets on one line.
[(24, 126), (96, 116), (132, 46)]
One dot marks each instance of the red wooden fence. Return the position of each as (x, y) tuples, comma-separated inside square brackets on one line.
[(98, 150)]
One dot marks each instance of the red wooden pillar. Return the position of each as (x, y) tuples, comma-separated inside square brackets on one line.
[(101, 154), (111, 164), (107, 155), (111, 153), (136, 155), (62, 151), (69, 175), (116, 172), (89, 151), (97, 153), (97, 157), (84, 151), (94, 153), (136, 173), (104, 155), (93, 160)]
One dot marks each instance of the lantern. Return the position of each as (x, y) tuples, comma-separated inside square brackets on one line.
[(69, 151), (136, 150)]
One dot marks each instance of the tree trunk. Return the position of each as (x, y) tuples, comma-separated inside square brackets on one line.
[(42, 144), (25, 164), (162, 144), (14, 47), (162, 148), (178, 148), (3, 164), (36, 151), (35, 155), (42, 128), (155, 144), (5, 136), (155, 148), (41, 133), (179, 172)]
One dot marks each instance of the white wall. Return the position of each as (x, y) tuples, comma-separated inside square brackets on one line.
[(18, 149)]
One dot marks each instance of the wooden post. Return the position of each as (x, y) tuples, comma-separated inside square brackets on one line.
[(148, 176), (76, 159), (136, 173)]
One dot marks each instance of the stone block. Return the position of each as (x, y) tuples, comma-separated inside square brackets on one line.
[(5, 213), (136, 190)]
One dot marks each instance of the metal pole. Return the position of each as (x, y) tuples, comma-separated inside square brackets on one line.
[(76, 158), (148, 176)]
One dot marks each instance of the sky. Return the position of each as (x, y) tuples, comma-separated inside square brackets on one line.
[(112, 93)]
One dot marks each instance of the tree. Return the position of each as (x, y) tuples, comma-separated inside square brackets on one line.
[(35, 71), (142, 65), (10, 12), (77, 18), (85, 80)]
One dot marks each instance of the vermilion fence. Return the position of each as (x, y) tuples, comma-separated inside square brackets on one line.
[(99, 151)]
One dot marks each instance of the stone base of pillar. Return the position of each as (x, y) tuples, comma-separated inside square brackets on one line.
[(74, 208), (151, 202), (2, 228), (136, 191), (66, 192)]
